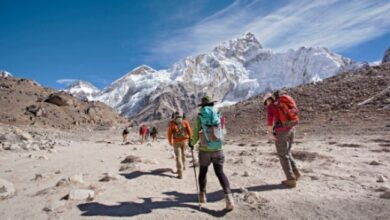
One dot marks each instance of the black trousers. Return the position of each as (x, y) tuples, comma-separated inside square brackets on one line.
[(217, 159)]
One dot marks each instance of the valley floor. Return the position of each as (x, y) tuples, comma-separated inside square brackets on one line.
[(339, 181)]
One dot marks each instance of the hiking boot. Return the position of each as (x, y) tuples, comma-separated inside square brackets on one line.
[(202, 197), (229, 202), (290, 183), (180, 174), (297, 174)]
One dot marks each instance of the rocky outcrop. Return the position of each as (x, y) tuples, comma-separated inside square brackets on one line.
[(386, 57)]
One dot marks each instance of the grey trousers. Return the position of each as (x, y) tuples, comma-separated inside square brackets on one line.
[(283, 144)]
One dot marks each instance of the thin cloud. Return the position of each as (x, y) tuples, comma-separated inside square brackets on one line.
[(66, 82), (336, 24)]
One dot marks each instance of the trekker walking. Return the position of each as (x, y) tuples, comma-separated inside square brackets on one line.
[(143, 132), (125, 133), (282, 116), (154, 133), (179, 132), (208, 131)]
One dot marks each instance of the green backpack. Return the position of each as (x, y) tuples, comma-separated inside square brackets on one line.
[(211, 133)]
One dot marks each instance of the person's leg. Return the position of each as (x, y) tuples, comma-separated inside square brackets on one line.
[(291, 158), (204, 162), (183, 155), (283, 153), (179, 165), (218, 161)]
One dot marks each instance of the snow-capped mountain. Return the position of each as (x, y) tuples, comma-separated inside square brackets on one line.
[(82, 89), (233, 71), (5, 74)]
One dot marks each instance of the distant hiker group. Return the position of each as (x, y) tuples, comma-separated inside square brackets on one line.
[(145, 133), (208, 133)]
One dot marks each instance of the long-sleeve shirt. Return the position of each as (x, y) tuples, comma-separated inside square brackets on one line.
[(273, 117)]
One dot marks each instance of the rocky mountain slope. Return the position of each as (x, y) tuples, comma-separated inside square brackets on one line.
[(25, 102), (82, 89), (386, 57), (352, 98), (232, 72)]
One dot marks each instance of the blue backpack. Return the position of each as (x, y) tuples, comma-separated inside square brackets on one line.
[(211, 133)]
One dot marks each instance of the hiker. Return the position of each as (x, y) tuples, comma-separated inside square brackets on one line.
[(209, 133), (125, 133), (179, 132), (282, 116), (154, 133), (143, 132)]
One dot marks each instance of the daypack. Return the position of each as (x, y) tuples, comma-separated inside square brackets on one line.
[(178, 129), (288, 111), (211, 134)]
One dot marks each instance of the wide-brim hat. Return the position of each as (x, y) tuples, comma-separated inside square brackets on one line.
[(206, 100), (267, 96)]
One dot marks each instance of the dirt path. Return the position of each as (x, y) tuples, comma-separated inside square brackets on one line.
[(338, 181)]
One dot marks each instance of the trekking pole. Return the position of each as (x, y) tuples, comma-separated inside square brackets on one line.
[(196, 178)]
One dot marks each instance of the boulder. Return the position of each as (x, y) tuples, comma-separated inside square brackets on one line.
[(7, 189), (59, 99), (35, 110), (81, 194)]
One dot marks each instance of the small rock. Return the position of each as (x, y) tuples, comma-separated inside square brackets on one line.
[(77, 178), (62, 182), (57, 172), (51, 151), (381, 179), (234, 174), (54, 205), (135, 148), (38, 176), (7, 189), (243, 190), (129, 167), (374, 163), (383, 189), (109, 177), (81, 194), (314, 178), (385, 195), (43, 157), (132, 159), (246, 174)]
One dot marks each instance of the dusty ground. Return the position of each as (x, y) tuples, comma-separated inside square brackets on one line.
[(338, 181)]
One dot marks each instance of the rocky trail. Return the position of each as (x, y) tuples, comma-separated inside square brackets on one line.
[(91, 174)]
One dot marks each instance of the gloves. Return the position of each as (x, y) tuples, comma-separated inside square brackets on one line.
[(190, 145)]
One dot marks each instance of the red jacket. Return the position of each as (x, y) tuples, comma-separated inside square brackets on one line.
[(273, 117)]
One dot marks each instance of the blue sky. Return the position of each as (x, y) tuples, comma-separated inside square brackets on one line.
[(99, 41)]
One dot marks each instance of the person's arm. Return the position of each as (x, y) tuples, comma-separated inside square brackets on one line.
[(195, 133), (189, 129), (271, 111), (170, 135)]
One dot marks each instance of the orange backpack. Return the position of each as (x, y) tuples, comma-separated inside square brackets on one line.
[(287, 110)]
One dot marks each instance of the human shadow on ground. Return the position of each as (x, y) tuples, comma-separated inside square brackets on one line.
[(174, 200), (157, 172)]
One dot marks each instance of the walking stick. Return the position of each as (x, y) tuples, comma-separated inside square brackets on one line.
[(196, 178)]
